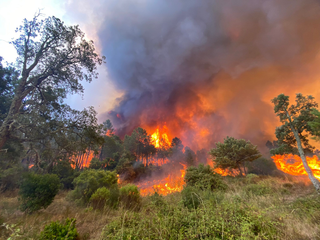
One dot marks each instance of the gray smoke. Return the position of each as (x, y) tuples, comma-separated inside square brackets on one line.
[(204, 64)]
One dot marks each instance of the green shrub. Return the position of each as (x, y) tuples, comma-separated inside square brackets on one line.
[(257, 189), (66, 173), (89, 181), (203, 177), (38, 191), (59, 231), (130, 196), (10, 179), (190, 197), (252, 178), (99, 199), (157, 199)]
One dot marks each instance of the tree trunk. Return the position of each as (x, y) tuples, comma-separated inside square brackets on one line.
[(12, 115), (312, 178), (239, 167)]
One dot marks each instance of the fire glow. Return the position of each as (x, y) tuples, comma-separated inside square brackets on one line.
[(292, 164), (172, 183)]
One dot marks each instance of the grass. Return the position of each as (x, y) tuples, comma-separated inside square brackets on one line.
[(257, 208)]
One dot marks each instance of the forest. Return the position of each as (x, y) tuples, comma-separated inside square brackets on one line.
[(64, 175)]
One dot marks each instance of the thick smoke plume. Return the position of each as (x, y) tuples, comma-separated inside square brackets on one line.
[(208, 68)]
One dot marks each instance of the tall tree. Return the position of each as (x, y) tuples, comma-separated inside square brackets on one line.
[(293, 133), (51, 56), (233, 153)]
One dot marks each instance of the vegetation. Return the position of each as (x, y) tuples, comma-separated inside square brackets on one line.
[(233, 153), (89, 181), (293, 133), (59, 231), (203, 177), (259, 208), (38, 191), (61, 161)]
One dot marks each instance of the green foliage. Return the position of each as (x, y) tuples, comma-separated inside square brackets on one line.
[(89, 181), (232, 153), (190, 198), (230, 219), (65, 172), (295, 117), (99, 199), (252, 178), (314, 124), (38, 191), (95, 163), (257, 189), (204, 178), (130, 196), (60, 231)]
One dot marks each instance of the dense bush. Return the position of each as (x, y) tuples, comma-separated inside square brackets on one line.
[(190, 198), (59, 231), (130, 196), (203, 177), (89, 181), (65, 172), (99, 199), (262, 166), (38, 191)]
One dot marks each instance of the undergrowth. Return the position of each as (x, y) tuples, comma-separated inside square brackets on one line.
[(253, 208)]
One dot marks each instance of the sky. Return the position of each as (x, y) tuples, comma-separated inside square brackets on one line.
[(100, 93)]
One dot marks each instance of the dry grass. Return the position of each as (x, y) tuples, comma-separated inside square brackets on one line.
[(289, 202)]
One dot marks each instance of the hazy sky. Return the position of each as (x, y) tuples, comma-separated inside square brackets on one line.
[(99, 93)]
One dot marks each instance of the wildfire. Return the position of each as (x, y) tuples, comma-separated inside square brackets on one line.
[(160, 140), (293, 165), (172, 183), (223, 172)]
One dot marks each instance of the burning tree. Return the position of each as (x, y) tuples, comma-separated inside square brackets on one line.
[(293, 133), (233, 153)]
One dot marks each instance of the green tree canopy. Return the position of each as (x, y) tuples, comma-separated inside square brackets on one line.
[(233, 153), (293, 133), (52, 60)]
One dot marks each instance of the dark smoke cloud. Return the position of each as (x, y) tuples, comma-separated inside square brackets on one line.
[(209, 64)]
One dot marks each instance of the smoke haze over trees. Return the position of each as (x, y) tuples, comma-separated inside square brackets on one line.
[(198, 65)]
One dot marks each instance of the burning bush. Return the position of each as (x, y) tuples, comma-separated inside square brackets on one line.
[(38, 191), (89, 181), (203, 177)]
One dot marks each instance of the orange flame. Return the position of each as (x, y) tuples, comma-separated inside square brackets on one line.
[(172, 183), (293, 165), (83, 159), (223, 172), (160, 140)]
